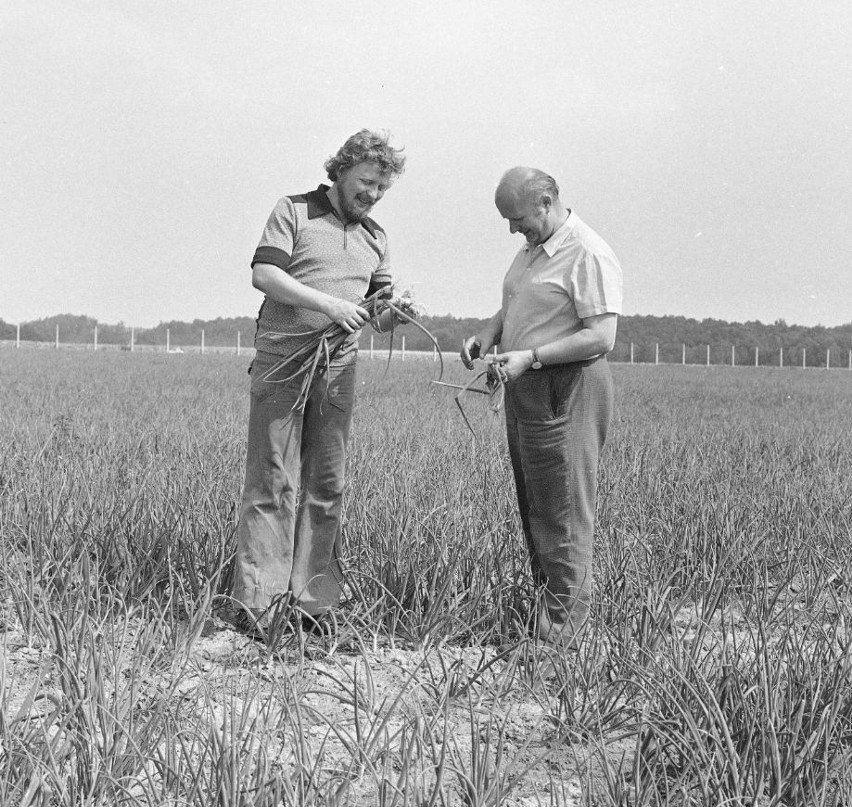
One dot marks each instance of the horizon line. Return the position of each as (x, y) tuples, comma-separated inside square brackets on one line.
[(777, 322)]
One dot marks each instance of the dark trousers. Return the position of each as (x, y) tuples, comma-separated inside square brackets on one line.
[(556, 422)]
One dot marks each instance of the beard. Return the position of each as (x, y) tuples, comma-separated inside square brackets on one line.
[(356, 209)]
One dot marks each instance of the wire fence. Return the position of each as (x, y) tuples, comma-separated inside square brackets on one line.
[(200, 347), (732, 355), (624, 352)]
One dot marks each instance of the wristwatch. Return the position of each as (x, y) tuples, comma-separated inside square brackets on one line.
[(536, 362)]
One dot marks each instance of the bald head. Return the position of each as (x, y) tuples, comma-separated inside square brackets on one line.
[(529, 199), (524, 184)]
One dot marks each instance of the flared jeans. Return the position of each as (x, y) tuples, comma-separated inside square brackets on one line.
[(289, 524), (556, 422)]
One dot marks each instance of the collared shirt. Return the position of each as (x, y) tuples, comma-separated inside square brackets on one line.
[(550, 288), (306, 238)]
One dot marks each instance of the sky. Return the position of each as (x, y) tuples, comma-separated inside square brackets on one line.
[(143, 145)]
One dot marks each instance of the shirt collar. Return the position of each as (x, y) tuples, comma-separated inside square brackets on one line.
[(560, 235), (320, 205)]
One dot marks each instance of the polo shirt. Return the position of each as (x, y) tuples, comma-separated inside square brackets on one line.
[(306, 238), (550, 288)]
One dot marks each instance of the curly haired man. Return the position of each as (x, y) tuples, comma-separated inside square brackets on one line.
[(319, 255)]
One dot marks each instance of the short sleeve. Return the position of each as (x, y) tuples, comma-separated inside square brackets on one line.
[(596, 285), (381, 277), (279, 235)]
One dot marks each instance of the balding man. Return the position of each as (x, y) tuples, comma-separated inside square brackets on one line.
[(561, 300)]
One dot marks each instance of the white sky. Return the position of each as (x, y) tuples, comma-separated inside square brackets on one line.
[(143, 144)]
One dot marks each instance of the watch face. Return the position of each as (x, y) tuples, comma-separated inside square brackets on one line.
[(536, 361)]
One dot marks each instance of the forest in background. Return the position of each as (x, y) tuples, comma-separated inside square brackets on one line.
[(667, 338)]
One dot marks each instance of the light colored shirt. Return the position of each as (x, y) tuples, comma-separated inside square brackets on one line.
[(550, 288), (305, 238)]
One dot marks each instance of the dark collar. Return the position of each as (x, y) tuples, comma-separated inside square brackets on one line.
[(320, 205)]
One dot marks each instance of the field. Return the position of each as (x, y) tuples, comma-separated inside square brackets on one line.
[(717, 670)]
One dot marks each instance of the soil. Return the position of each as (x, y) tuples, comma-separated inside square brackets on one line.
[(370, 714)]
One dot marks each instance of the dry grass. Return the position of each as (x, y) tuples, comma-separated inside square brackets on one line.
[(716, 671)]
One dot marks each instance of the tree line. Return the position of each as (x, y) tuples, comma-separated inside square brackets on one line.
[(666, 337)]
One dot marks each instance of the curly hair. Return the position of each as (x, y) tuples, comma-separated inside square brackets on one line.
[(366, 146)]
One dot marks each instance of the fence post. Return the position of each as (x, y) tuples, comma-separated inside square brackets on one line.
[(238, 343), (96, 336), (631, 352), (56, 344), (371, 346), (804, 354), (827, 358), (656, 352), (780, 356), (132, 338), (202, 341), (18, 337), (683, 354), (168, 341), (756, 355), (403, 347), (733, 356), (708, 355)]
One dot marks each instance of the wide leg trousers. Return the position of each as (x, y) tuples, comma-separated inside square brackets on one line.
[(289, 525), (556, 422)]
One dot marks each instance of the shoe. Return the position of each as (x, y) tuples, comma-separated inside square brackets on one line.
[(518, 648), (253, 622), (322, 625)]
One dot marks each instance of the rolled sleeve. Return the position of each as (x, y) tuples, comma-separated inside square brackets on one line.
[(596, 285)]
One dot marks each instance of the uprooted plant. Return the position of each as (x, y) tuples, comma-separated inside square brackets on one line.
[(495, 389), (321, 346)]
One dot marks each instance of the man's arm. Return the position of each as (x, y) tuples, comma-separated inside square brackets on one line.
[(597, 336), (276, 284), (477, 346)]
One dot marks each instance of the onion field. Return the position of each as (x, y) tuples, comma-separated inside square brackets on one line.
[(717, 669)]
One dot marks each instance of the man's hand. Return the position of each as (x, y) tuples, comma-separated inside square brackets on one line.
[(513, 364), (349, 316), (474, 348)]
